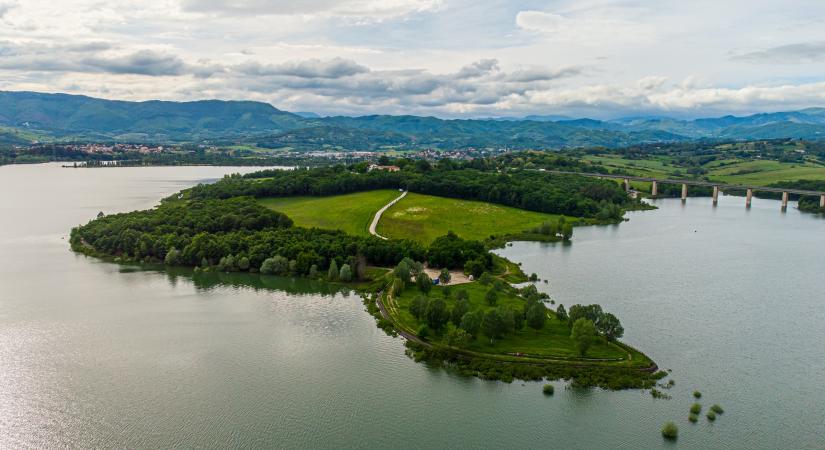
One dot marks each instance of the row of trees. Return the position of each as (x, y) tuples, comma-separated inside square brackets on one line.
[(527, 189), (236, 235)]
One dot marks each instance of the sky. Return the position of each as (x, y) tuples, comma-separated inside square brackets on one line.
[(445, 58)]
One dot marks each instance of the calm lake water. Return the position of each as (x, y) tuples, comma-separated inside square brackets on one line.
[(93, 354)]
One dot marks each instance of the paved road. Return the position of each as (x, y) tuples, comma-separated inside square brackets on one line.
[(380, 212)]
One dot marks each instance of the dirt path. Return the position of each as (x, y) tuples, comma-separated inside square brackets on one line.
[(377, 217)]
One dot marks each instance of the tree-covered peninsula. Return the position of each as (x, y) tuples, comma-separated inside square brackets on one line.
[(488, 328)]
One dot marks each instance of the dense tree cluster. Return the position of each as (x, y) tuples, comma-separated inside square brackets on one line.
[(236, 234), (526, 189)]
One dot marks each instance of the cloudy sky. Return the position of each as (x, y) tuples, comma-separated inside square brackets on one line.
[(448, 58)]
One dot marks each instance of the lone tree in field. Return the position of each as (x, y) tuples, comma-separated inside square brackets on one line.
[(583, 334), (437, 314), (491, 296), (418, 307), (471, 322), (425, 284), (493, 325), (536, 316), (460, 308)]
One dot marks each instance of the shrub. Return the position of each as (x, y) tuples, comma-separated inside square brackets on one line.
[(423, 331), (346, 273), (548, 389), (670, 430), (697, 394), (695, 408), (693, 418), (717, 409), (711, 416)]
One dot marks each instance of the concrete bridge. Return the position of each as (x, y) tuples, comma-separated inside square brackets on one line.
[(717, 187)]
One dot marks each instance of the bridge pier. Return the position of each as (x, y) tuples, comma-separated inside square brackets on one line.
[(748, 198), (822, 201), (715, 195), (626, 185), (784, 201), (684, 192), (654, 189)]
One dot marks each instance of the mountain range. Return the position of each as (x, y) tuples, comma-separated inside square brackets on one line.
[(31, 116)]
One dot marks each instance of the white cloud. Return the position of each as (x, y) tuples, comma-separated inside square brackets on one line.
[(442, 57)]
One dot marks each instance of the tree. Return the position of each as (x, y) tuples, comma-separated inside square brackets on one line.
[(474, 267), (437, 314), (460, 308), (424, 283), (508, 317), (491, 296), (444, 276), (447, 292), (346, 273), (493, 325), (498, 285), (567, 231), (277, 265), (518, 320), (243, 263), (333, 271), (172, 257), (536, 316), (485, 278), (561, 314), (582, 335), (610, 327), (313, 271), (457, 337), (462, 295), (471, 322), (402, 271), (418, 307)]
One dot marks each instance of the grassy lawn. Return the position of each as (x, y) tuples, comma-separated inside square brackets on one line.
[(351, 213), (425, 217), (551, 341), (762, 172)]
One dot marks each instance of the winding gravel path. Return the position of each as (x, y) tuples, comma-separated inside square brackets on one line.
[(380, 212)]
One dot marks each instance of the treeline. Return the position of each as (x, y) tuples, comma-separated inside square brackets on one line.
[(807, 203), (526, 189), (239, 234)]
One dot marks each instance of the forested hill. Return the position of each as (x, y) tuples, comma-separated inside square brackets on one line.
[(475, 180), (80, 118)]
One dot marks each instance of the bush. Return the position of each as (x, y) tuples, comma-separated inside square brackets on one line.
[(548, 389), (693, 418), (346, 273), (697, 394), (717, 409), (670, 430), (695, 408), (711, 416), (423, 331)]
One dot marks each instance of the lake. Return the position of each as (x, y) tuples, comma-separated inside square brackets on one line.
[(93, 354)]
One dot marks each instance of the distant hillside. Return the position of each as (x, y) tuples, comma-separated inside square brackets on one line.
[(75, 115), (30, 116)]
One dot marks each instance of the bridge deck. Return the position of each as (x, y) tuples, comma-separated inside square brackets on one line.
[(721, 186)]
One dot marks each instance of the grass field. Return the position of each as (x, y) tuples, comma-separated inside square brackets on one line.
[(351, 213), (551, 341), (734, 171), (425, 217)]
